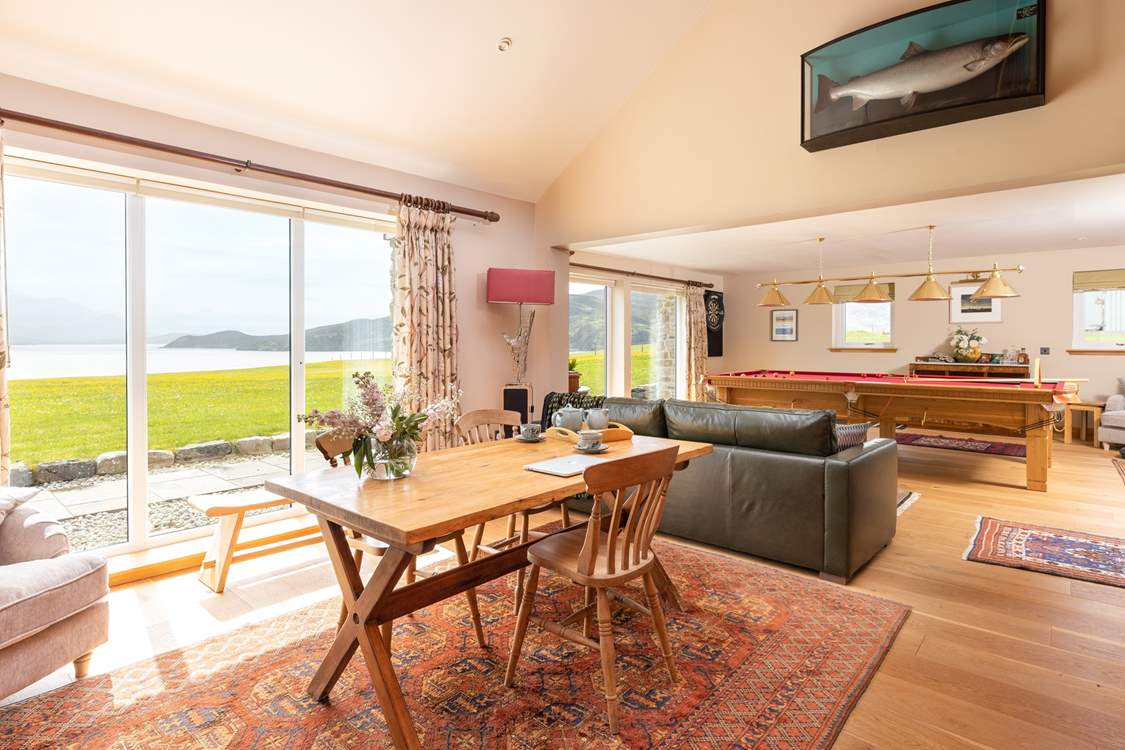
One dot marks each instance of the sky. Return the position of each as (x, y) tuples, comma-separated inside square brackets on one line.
[(208, 268)]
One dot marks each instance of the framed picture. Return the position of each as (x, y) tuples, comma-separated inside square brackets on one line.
[(783, 325), (960, 60), (963, 309)]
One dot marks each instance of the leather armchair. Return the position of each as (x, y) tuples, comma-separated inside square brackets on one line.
[(52, 602)]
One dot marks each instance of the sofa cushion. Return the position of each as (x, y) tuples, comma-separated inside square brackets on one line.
[(808, 433), (1113, 419), (851, 435), (641, 416), (36, 594), (13, 497)]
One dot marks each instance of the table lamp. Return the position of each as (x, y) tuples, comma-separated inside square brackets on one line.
[(521, 286)]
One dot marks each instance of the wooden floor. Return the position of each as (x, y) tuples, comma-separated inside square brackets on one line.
[(990, 657)]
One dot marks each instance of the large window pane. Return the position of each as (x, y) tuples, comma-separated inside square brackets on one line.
[(589, 333), (66, 307), (866, 323), (347, 313), (217, 311), (1101, 315), (654, 340)]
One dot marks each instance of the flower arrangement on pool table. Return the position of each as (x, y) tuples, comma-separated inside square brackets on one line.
[(384, 431), (966, 344)]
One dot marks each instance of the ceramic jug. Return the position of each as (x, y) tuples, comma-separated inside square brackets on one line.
[(597, 419), (568, 418)]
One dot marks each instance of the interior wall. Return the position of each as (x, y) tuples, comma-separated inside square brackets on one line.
[(486, 363), (712, 138), (1041, 317)]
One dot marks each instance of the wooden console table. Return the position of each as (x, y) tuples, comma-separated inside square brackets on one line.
[(923, 366)]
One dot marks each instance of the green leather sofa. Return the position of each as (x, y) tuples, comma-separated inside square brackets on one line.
[(775, 486)]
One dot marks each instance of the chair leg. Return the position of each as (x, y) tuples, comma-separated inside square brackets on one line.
[(411, 569), (216, 563), (478, 537), (588, 621), (82, 665), (521, 625), (520, 573), (471, 594), (660, 625), (358, 557), (609, 668), (565, 514)]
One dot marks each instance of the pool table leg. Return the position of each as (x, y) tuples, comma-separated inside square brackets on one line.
[(1038, 451), (887, 427)]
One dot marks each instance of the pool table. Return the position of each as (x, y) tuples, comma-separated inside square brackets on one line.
[(992, 407)]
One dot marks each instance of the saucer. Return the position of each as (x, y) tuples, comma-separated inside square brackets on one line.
[(539, 439), (592, 451)]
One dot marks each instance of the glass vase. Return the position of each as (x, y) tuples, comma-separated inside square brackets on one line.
[(394, 459)]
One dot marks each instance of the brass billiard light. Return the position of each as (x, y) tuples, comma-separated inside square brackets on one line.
[(994, 286), (774, 297), (930, 289), (872, 292), (820, 295)]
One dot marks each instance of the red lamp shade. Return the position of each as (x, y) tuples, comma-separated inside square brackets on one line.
[(521, 285)]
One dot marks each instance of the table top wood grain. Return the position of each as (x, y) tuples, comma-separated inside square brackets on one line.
[(453, 489)]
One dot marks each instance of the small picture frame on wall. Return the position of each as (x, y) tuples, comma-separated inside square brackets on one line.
[(964, 309), (783, 325)]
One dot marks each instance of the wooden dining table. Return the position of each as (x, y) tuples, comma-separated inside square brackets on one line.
[(449, 491)]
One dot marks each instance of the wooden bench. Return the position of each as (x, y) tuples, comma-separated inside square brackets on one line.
[(231, 509)]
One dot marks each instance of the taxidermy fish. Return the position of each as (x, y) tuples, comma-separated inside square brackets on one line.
[(921, 71)]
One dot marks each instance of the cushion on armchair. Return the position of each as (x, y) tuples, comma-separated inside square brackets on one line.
[(36, 594), (12, 498)]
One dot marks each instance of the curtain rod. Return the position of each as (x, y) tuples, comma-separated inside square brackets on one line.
[(685, 282), (239, 165)]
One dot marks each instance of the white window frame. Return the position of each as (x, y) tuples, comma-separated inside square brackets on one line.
[(1079, 329), (839, 320), (39, 166)]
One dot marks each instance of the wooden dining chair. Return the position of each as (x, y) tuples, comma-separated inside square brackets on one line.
[(603, 556), (336, 448), (485, 426)]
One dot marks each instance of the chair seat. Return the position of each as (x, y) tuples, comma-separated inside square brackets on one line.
[(559, 553), (38, 593), (1113, 419)]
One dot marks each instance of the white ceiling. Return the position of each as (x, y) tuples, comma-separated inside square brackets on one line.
[(1064, 215), (417, 86)]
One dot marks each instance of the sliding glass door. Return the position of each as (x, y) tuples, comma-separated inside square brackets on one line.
[(152, 358), (655, 340), (217, 354), (66, 323)]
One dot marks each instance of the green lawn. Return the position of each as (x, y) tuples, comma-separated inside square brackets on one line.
[(592, 367), (58, 418)]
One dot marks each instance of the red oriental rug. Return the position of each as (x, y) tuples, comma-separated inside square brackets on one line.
[(993, 447), (768, 659), (1071, 554)]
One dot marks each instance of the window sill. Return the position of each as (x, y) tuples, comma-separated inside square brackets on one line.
[(1118, 351), (863, 349)]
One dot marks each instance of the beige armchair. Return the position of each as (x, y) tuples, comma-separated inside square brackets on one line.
[(52, 602), (1112, 429)]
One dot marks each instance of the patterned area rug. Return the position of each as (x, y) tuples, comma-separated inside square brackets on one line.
[(906, 498), (1119, 464), (768, 659), (1071, 554), (994, 447)]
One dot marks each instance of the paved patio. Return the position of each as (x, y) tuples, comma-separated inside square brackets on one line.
[(66, 500)]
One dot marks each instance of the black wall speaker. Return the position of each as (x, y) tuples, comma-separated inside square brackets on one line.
[(518, 397)]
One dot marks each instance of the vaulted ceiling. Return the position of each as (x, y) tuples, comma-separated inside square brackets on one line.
[(416, 86)]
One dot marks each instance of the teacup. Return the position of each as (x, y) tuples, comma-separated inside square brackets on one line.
[(530, 431), (589, 439), (597, 419)]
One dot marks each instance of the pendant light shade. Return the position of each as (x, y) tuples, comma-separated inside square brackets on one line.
[(994, 286), (930, 291), (820, 295), (774, 297), (872, 292)]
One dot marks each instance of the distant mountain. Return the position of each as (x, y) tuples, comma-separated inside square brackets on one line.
[(36, 320), (587, 320), (362, 334), (163, 338)]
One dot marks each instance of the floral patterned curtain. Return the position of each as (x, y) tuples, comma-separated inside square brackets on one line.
[(696, 343), (425, 336)]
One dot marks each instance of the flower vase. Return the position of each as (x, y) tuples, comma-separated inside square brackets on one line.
[(393, 459), (967, 355)]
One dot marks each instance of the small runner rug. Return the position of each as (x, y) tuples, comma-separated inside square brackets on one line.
[(993, 447), (768, 659), (1071, 554)]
